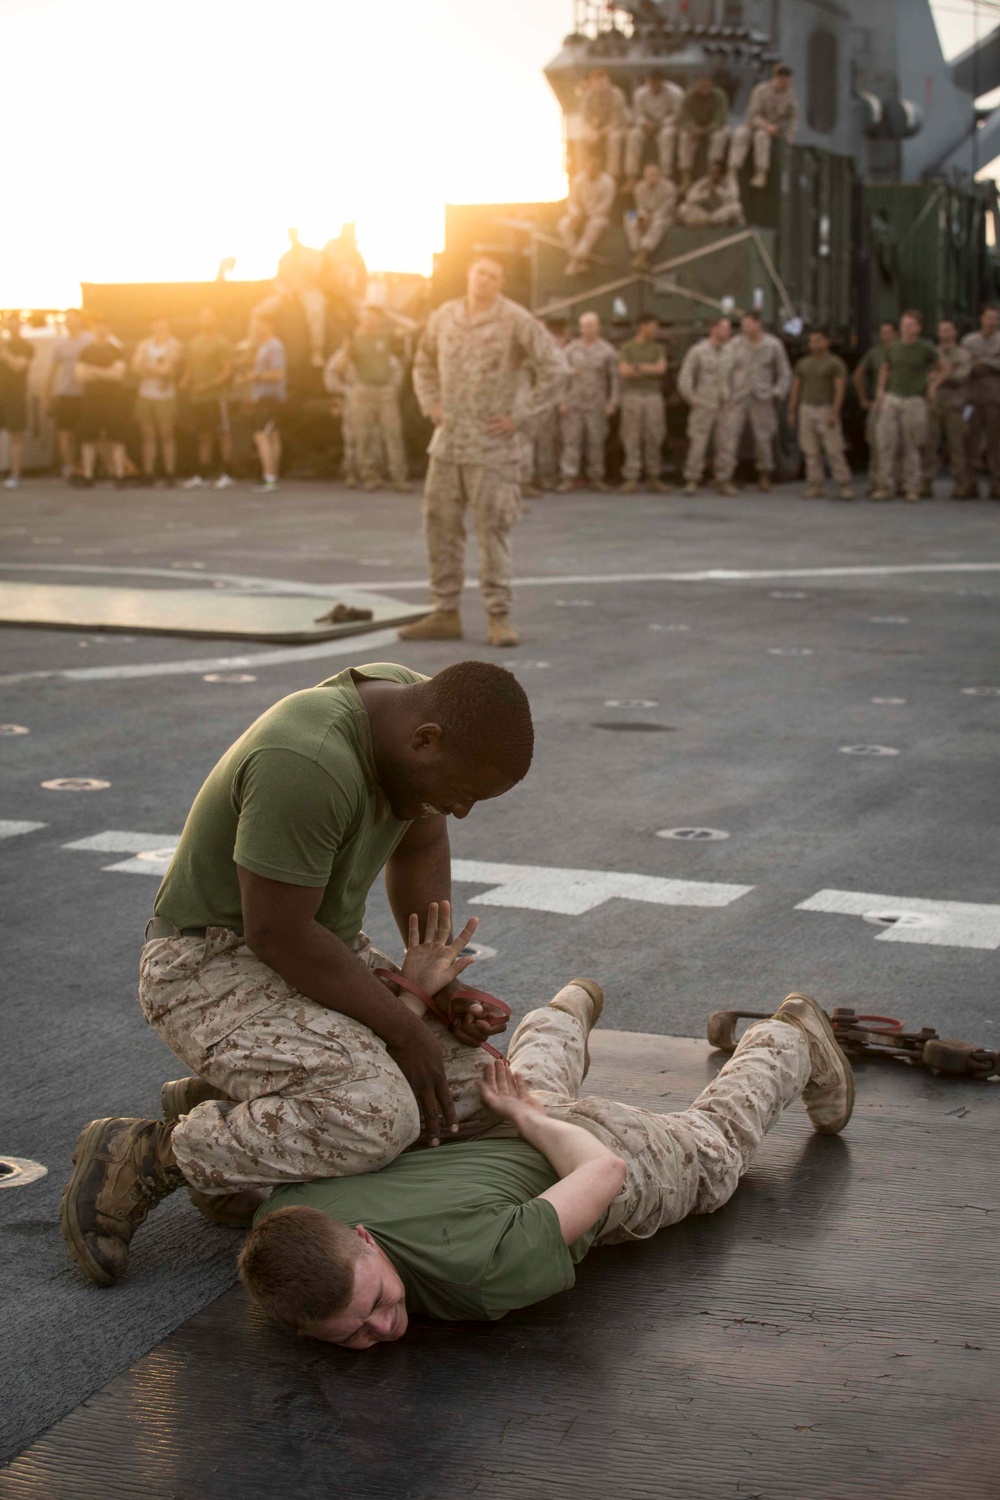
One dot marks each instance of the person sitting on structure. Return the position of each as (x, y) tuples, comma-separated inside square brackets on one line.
[(656, 105), (655, 205), (704, 116), (714, 201), (772, 114), (588, 212), (481, 1228), (603, 120)]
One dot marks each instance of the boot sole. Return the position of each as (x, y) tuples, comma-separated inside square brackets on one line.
[(820, 1015), (87, 1145)]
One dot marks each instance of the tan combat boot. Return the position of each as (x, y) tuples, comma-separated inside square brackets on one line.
[(829, 1094), (440, 625), (764, 481), (727, 488), (501, 631), (584, 999), (123, 1167)]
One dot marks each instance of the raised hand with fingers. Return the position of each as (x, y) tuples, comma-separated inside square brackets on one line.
[(506, 1093), (433, 961)]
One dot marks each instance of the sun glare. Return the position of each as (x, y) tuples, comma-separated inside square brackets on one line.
[(155, 141)]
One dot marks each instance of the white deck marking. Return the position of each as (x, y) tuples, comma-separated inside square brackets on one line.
[(958, 924), (11, 827), (153, 851), (363, 646), (573, 892)]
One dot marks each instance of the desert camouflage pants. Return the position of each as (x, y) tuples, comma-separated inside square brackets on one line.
[(702, 422), (666, 144), (902, 430), (643, 428), (696, 217), (374, 415), (984, 436), (946, 422), (584, 423), (494, 498), (580, 233), (817, 435), (685, 1163), (763, 419), (311, 1092), (744, 136), (687, 147)]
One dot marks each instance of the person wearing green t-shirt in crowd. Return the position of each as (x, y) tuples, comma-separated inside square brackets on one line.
[(642, 365), (256, 971), (484, 1227), (902, 408), (372, 374), (817, 399), (865, 382)]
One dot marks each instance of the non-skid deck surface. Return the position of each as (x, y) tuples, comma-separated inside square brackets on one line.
[(832, 1333), (282, 618)]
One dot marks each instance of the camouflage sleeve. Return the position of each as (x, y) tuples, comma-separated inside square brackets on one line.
[(754, 112), (792, 119), (548, 364), (614, 380), (960, 366), (685, 377), (426, 375), (782, 373)]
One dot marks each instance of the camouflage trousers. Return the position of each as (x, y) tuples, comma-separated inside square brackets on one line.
[(643, 428), (702, 423), (666, 144), (696, 217), (494, 498), (817, 435), (311, 1092), (580, 233), (544, 436), (763, 419), (902, 430), (984, 435), (745, 136), (688, 1162), (687, 147), (580, 424), (373, 413), (946, 422)]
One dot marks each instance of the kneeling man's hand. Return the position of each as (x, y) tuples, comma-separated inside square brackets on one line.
[(434, 961)]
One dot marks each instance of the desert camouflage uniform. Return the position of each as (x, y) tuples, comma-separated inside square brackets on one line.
[(689, 1162), (984, 395), (588, 213), (711, 204), (604, 121), (768, 106), (944, 418), (704, 383), (337, 379), (311, 1092), (760, 377), (594, 385), (373, 419), (478, 368), (656, 109), (654, 213)]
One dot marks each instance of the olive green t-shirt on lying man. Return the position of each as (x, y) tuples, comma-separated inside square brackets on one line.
[(295, 799), (463, 1225)]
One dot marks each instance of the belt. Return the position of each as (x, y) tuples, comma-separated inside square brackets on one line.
[(159, 927), (488, 1002)]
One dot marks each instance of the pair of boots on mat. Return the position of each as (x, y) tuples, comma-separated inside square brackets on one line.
[(493, 1222)]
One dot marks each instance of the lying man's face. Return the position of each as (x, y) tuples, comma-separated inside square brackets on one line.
[(376, 1313)]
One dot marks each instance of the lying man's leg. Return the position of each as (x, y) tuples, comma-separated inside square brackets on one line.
[(691, 1161)]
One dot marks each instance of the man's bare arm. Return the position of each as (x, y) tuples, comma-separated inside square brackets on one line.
[(280, 928), (591, 1175), (419, 870)]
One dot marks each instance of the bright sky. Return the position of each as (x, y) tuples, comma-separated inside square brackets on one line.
[(145, 141)]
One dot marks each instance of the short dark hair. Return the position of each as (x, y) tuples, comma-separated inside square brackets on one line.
[(781, 70), (720, 317), (824, 333), (752, 312), (645, 320), (913, 312), (557, 325), (485, 715), (888, 323), (298, 1266)]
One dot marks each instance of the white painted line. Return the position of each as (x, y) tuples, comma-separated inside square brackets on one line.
[(12, 729), (144, 864), (75, 784), (960, 924), (573, 892), (888, 700), (11, 827), (116, 841), (630, 703), (363, 647), (868, 750), (694, 835)]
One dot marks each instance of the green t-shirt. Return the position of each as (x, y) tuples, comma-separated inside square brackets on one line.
[(909, 367), (637, 353), (463, 1225), (371, 355), (208, 355), (296, 800), (816, 374)]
